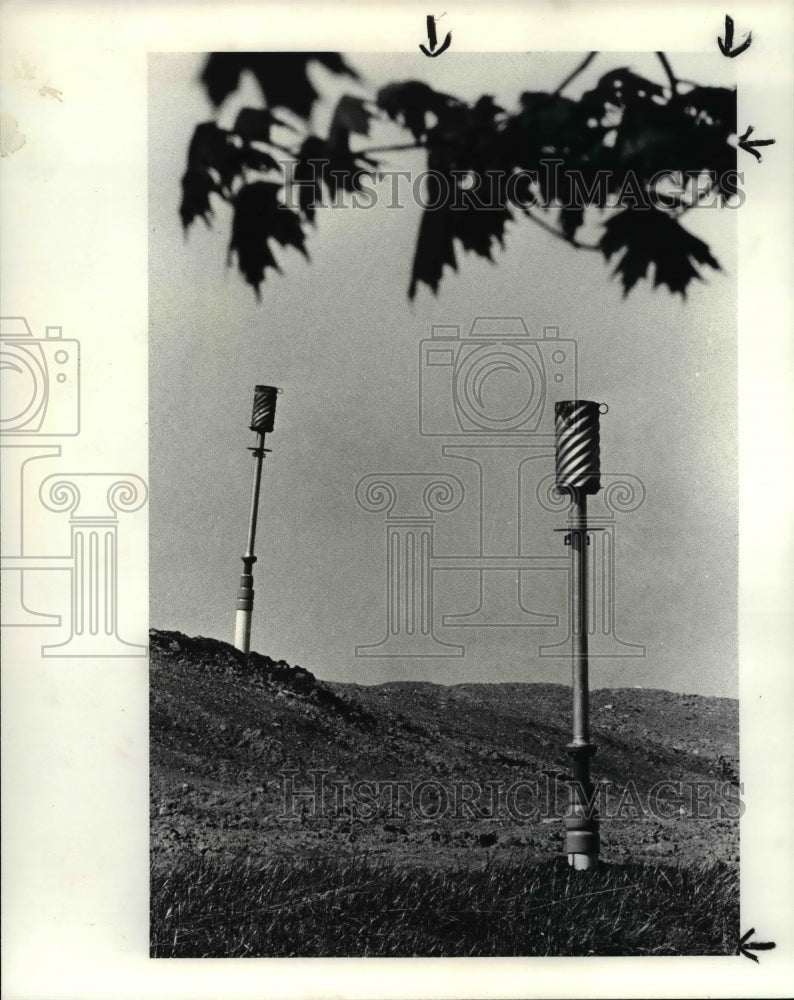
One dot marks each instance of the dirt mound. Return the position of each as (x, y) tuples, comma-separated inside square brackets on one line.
[(199, 655), (248, 752)]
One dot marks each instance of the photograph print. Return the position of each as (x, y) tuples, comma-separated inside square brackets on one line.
[(443, 502)]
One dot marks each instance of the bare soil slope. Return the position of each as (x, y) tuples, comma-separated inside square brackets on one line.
[(225, 727)]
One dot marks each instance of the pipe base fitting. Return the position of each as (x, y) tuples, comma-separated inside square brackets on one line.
[(582, 837), (245, 593)]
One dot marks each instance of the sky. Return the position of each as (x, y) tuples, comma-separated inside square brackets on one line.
[(340, 337)]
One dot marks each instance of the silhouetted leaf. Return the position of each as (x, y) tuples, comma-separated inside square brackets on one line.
[(656, 139), (258, 218), (213, 163), (554, 128), (553, 125), (620, 139), (571, 218), (410, 103), (652, 237), (217, 159), (716, 106), (282, 76), (455, 219), (486, 110), (308, 173), (350, 117), (649, 138), (621, 88), (321, 163), (197, 185), (211, 150), (712, 113), (435, 249), (257, 159), (465, 187), (254, 124), (221, 75), (480, 230)]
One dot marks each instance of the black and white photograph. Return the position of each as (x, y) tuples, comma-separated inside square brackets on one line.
[(414, 585), (493, 300)]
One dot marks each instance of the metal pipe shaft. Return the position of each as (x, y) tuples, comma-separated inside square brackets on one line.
[(245, 593), (579, 624), (581, 821), (259, 454)]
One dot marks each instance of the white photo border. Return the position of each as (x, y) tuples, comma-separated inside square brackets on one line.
[(75, 734)]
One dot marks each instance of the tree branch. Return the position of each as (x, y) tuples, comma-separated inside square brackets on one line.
[(556, 232), (669, 71), (572, 76)]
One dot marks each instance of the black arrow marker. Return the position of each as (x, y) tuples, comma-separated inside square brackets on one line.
[(431, 32), (746, 947), (432, 39), (726, 46), (749, 147)]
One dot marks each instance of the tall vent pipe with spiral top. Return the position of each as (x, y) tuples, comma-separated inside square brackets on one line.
[(578, 474), (262, 421)]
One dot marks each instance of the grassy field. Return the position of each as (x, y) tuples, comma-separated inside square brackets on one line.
[(237, 907)]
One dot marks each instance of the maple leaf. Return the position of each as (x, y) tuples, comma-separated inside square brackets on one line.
[(257, 159), (652, 237), (308, 172), (212, 151), (553, 128), (196, 189), (620, 137), (319, 163), (655, 139), (330, 161), (649, 139), (553, 125), (216, 159), (282, 76), (258, 218), (213, 162), (254, 124), (462, 144), (620, 88), (448, 222), (351, 116), (435, 249), (571, 218), (411, 101), (712, 113), (715, 106)]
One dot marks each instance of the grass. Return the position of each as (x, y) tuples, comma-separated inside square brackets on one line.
[(239, 907)]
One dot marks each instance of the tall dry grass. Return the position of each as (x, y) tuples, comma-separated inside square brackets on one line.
[(242, 907)]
